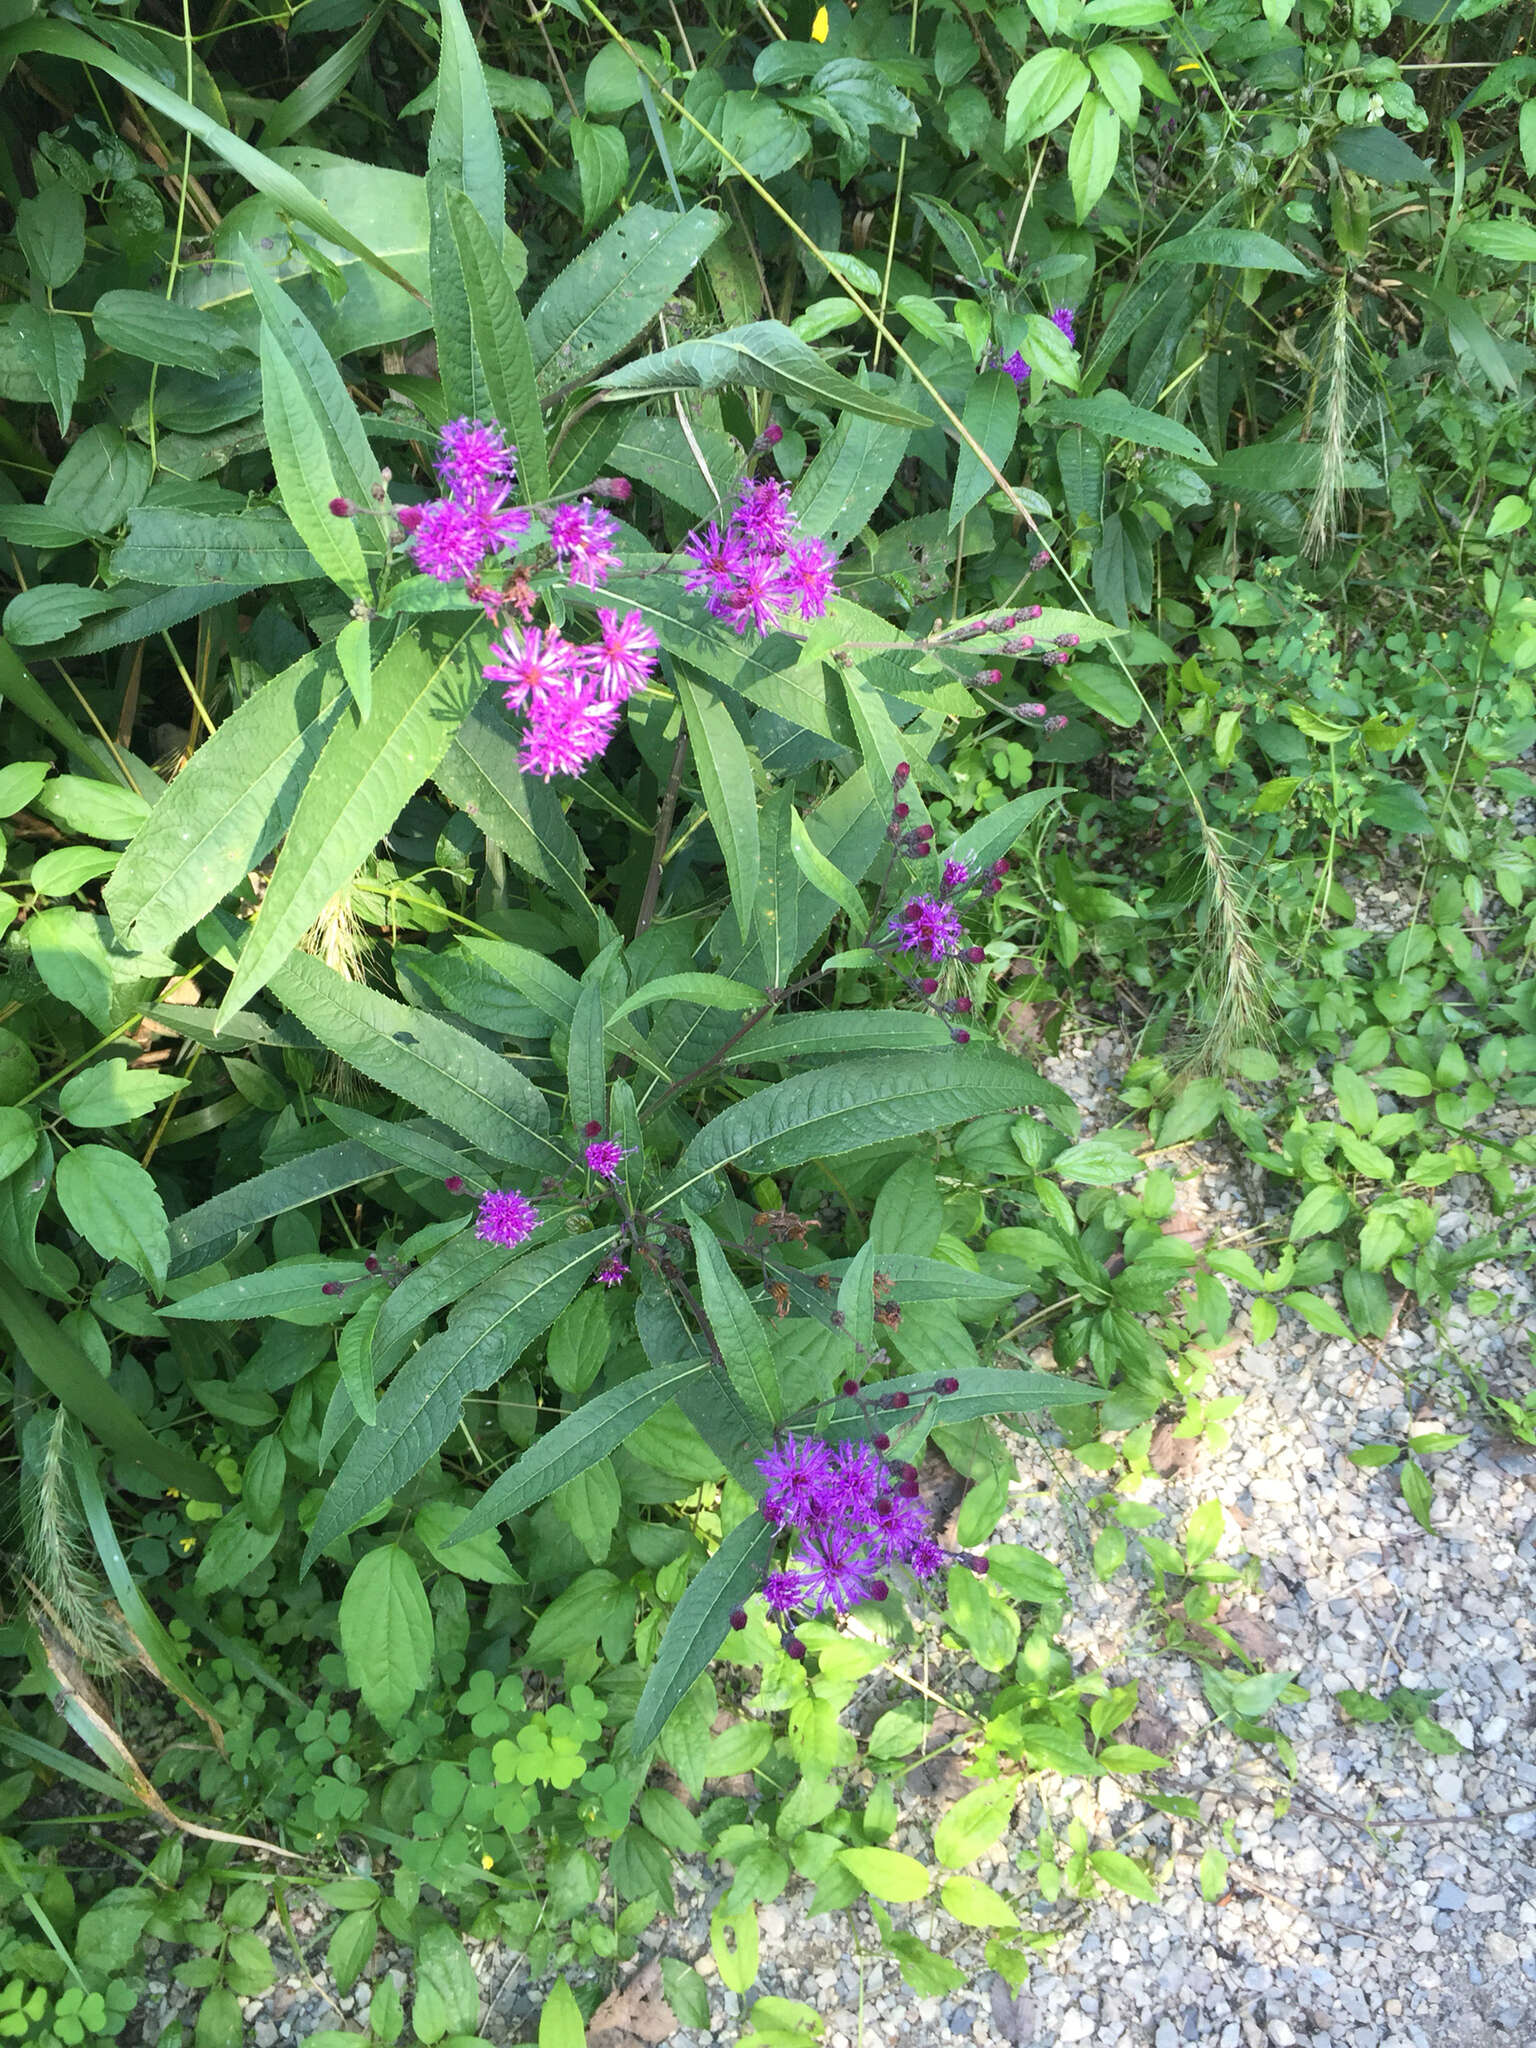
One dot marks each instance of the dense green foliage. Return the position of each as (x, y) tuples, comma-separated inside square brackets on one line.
[(1211, 623)]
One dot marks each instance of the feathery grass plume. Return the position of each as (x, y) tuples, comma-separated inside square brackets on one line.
[(1232, 985), (1333, 379), (337, 938), (58, 1570)]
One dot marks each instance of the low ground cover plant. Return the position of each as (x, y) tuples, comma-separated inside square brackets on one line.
[(613, 629)]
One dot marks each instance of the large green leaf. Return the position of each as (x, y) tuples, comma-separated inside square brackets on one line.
[(463, 155), (242, 549), (725, 774), (500, 343), (738, 1331), (576, 1443), (765, 356), (485, 1337), (865, 1102), (59, 39), (480, 774), (442, 1071), (214, 1228), (308, 486), (998, 832), (61, 1367), (1232, 248), (614, 290), (318, 390), (849, 478), (355, 791), (813, 1034), (1111, 414), (228, 808), (991, 416), (700, 1623)]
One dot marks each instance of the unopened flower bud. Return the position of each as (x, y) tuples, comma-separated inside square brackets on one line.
[(618, 488), (1032, 611), (948, 1385), (901, 811), (961, 1006), (793, 1647), (738, 1617), (881, 1441), (879, 1590), (1040, 558), (371, 1263), (928, 985), (896, 1401), (1068, 640), (903, 770), (592, 1130), (850, 1386), (1001, 867), (991, 887), (987, 675), (331, 1287), (907, 1471), (409, 517), (961, 1037), (454, 1184), (974, 954), (771, 435), (977, 1563)]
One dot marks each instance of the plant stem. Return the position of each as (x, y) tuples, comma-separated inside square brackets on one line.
[(663, 832)]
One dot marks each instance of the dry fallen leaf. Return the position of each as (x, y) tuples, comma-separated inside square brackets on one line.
[(1172, 1456), (633, 2015)]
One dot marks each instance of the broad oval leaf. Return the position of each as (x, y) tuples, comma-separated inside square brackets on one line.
[(887, 1874), (386, 1631)]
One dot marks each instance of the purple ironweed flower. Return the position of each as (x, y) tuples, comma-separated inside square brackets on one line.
[(955, 876), (579, 535), (763, 518), (927, 927), (897, 1522), (806, 577), (505, 1216), (567, 729), (754, 599), (448, 541), (782, 1591), (796, 1470), (835, 1568), (717, 558), (624, 657), (856, 1478), (531, 664), (604, 1157), (612, 1273), (924, 1558), (473, 457), (1062, 321), (1017, 369)]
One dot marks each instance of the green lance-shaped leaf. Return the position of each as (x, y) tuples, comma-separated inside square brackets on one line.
[(500, 343), (399, 1143), (725, 774), (822, 875), (764, 356), (849, 478), (214, 1228), (460, 1265), (863, 1102), (463, 155), (485, 1337), (421, 690), (1231, 248), (586, 1061), (700, 1624), (443, 1071), (992, 836), (228, 808), (992, 416), (319, 386), (983, 1390), (354, 1356), (614, 290), (1112, 415), (707, 991), (817, 1034), (240, 549), (522, 816), (305, 480), (738, 1331), (294, 1289), (60, 1365), (574, 1445)]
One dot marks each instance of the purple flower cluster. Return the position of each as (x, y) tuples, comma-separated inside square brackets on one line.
[(505, 1216), (570, 695), (452, 537), (1015, 366), (930, 929), (1065, 325), (852, 1516), (760, 570)]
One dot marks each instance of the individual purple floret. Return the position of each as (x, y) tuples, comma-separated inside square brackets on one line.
[(610, 1274), (1017, 369), (796, 1470), (927, 927), (605, 1156), (955, 876), (505, 1217), (473, 457), (580, 536), (835, 1568)]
